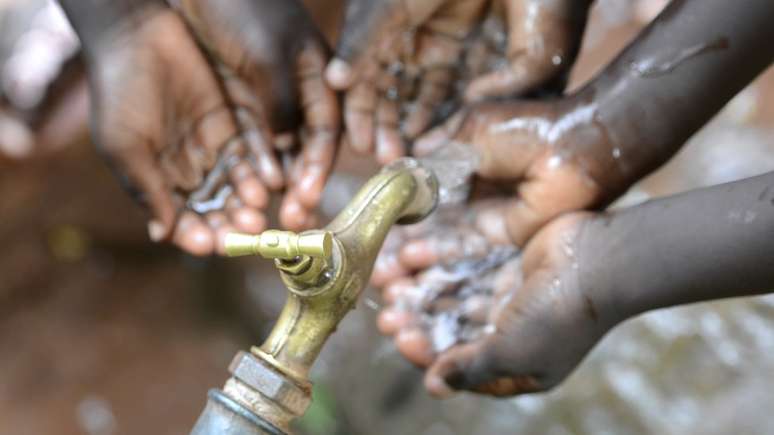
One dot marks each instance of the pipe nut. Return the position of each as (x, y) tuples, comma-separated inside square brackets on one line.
[(273, 385)]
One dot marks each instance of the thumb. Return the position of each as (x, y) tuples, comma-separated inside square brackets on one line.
[(473, 367)]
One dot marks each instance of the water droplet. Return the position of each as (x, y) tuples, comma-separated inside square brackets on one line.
[(554, 162), (372, 304)]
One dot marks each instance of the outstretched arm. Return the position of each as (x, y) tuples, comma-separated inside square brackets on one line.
[(585, 273), (583, 151), (707, 244), (680, 71)]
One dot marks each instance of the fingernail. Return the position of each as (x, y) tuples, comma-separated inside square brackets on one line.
[(17, 141), (338, 74), (156, 230), (388, 146)]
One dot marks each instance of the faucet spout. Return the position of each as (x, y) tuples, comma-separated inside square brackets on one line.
[(404, 192), (325, 272)]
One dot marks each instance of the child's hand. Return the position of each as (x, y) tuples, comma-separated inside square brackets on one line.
[(520, 327), (544, 38), (163, 122), (555, 154), (271, 58), (401, 62), (541, 329)]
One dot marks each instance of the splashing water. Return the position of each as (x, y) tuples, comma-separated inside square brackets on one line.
[(454, 165), (213, 193), (460, 282)]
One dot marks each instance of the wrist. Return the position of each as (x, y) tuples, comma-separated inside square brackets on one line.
[(599, 267), (585, 140)]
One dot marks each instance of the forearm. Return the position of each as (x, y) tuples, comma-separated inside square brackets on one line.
[(674, 78), (94, 20), (706, 244)]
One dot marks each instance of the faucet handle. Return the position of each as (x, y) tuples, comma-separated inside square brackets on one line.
[(283, 245)]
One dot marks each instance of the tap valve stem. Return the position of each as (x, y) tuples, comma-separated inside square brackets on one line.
[(281, 245)]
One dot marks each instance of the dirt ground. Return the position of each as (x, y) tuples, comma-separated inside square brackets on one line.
[(102, 333)]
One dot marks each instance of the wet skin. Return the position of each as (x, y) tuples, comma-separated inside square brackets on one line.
[(383, 109), (271, 59), (585, 273), (584, 150), (161, 129), (581, 152)]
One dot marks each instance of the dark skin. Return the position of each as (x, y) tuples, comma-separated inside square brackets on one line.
[(382, 109), (162, 135), (269, 73), (271, 58), (582, 152), (707, 244)]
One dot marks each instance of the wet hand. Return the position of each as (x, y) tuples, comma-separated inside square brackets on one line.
[(397, 61), (163, 122), (520, 328), (271, 58), (543, 40), (554, 155)]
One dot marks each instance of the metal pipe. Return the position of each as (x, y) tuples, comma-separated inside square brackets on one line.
[(223, 415), (325, 275)]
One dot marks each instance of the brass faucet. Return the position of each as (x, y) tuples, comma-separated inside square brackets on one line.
[(325, 271)]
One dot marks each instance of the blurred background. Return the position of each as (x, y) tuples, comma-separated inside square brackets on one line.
[(102, 333)]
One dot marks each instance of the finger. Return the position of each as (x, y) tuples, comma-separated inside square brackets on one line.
[(263, 82), (362, 23), (359, 113), (391, 321), (322, 115), (213, 132), (178, 167), (491, 222), (433, 90), (221, 226), (398, 289), (468, 367), (248, 186), (369, 25), (16, 139), (456, 19), (415, 345), (257, 137), (193, 235), (140, 169), (284, 142), (545, 195), (389, 144), (386, 269), (476, 309), (293, 215), (248, 220), (442, 135), (544, 38), (446, 248)]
